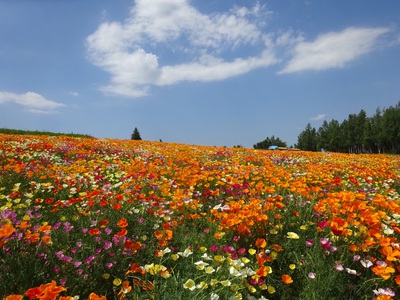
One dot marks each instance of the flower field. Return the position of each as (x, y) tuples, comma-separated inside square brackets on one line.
[(120, 219)]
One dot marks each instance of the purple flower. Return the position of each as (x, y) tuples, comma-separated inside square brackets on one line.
[(107, 245), (56, 226), (89, 259), (68, 227), (140, 220), (312, 275), (63, 281), (67, 259), (108, 231), (59, 254)]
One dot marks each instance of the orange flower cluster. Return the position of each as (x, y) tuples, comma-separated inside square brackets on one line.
[(259, 199)]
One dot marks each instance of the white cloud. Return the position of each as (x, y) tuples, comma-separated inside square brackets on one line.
[(127, 50), (318, 117), (334, 49), (33, 102)]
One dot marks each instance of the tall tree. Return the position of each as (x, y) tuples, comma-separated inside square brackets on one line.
[(136, 135), (307, 140)]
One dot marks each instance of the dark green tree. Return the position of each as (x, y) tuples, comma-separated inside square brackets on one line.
[(329, 136), (307, 139), (136, 135), (270, 141)]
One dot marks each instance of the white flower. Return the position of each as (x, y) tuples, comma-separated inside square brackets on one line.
[(186, 253), (200, 265), (366, 263), (214, 296)]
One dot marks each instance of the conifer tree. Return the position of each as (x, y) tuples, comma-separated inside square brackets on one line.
[(136, 135)]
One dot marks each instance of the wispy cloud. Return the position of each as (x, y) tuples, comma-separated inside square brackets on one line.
[(318, 117), (31, 101), (128, 50), (333, 49)]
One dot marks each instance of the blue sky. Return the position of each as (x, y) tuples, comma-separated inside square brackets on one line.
[(192, 71)]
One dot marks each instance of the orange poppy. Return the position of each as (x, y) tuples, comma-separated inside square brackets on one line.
[(14, 297), (286, 279), (6, 230), (94, 296), (122, 223), (261, 243)]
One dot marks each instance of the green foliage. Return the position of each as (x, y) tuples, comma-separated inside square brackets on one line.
[(36, 132), (358, 133), (270, 141)]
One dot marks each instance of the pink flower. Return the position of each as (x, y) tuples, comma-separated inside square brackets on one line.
[(325, 243), (312, 275), (241, 251), (107, 245), (338, 267), (309, 243)]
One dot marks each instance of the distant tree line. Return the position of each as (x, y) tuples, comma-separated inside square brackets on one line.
[(270, 141), (358, 133), (37, 132)]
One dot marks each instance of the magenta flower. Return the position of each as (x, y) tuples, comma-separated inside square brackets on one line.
[(309, 243), (325, 243), (109, 265), (67, 259), (322, 224), (77, 264), (241, 251), (89, 259), (214, 248)]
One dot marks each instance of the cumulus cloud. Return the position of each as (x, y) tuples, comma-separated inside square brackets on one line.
[(128, 50), (333, 49), (318, 117), (31, 101)]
